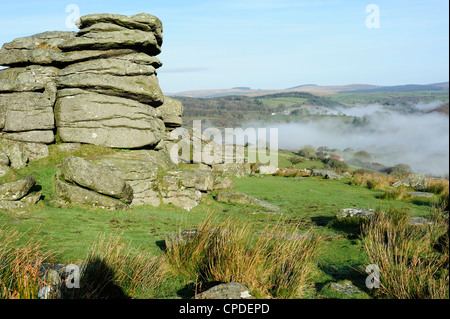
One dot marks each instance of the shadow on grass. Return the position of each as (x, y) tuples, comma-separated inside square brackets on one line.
[(98, 282), (350, 226), (161, 245), (353, 273)]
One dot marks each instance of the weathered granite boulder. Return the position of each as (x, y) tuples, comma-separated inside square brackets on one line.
[(112, 31), (244, 199), (417, 181), (355, 212), (41, 49), (327, 174), (140, 170), (268, 170), (14, 191), (76, 195), (93, 118), (142, 88), (96, 178), (231, 290), (173, 192), (171, 112)]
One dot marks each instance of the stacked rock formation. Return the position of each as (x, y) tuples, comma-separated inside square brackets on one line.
[(97, 86)]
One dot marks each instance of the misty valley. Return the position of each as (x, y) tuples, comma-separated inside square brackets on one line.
[(401, 127)]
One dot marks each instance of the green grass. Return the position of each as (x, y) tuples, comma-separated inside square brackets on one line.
[(309, 204)]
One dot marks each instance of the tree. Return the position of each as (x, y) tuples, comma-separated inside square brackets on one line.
[(362, 156), (308, 151)]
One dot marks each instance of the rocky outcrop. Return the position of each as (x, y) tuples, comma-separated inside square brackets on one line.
[(355, 212), (97, 86), (96, 178)]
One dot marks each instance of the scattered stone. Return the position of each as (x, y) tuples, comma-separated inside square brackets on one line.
[(419, 221), (221, 183), (76, 195), (231, 290), (31, 198), (233, 169), (327, 174), (244, 199), (268, 170), (420, 194), (347, 288)]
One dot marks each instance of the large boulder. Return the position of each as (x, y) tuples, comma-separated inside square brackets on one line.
[(76, 195), (142, 88), (230, 290), (417, 181), (14, 191), (93, 118), (325, 173), (96, 178), (355, 212)]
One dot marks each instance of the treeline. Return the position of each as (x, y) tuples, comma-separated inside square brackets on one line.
[(232, 110)]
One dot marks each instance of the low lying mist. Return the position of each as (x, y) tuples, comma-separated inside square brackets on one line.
[(391, 135)]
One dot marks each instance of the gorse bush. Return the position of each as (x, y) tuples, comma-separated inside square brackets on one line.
[(268, 264), (413, 260)]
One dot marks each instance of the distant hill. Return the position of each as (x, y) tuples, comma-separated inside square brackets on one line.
[(313, 89), (402, 88)]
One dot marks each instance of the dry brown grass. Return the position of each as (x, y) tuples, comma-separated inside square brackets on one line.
[(270, 265), (373, 180), (411, 267), (20, 265)]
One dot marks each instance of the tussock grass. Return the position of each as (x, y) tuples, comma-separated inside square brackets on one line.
[(20, 265), (268, 263), (372, 180), (413, 260), (397, 193), (114, 270)]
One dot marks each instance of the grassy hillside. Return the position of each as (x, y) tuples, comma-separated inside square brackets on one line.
[(309, 204), (226, 111)]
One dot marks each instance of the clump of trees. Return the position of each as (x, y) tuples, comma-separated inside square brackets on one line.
[(308, 151)]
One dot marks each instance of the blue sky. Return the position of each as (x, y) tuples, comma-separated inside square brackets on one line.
[(268, 44)]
